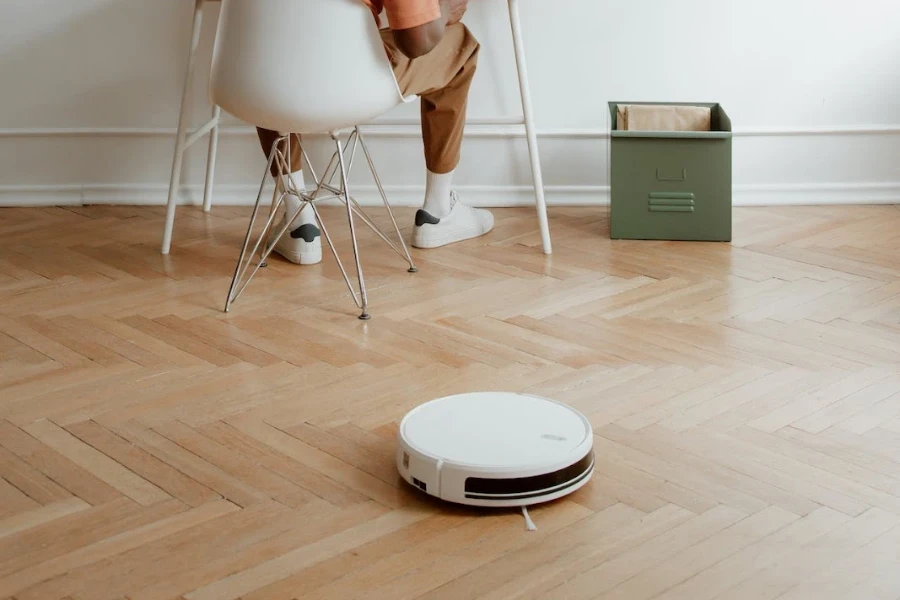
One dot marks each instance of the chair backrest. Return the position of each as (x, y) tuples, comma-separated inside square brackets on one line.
[(301, 66)]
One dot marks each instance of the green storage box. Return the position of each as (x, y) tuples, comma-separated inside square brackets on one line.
[(671, 185)]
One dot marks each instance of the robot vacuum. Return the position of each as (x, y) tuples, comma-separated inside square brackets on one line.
[(496, 449)]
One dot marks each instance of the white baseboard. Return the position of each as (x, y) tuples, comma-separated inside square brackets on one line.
[(768, 152), (817, 194), (411, 196)]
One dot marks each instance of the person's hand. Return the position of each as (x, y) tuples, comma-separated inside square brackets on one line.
[(453, 10)]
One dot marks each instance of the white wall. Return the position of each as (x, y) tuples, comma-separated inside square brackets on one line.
[(89, 95)]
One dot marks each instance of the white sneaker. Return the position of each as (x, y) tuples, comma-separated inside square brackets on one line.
[(302, 246), (463, 223)]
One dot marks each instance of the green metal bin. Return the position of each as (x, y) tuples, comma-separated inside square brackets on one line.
[(671, 185)]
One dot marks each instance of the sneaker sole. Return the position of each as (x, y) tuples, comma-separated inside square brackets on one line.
[(310, 252), (423, 241)]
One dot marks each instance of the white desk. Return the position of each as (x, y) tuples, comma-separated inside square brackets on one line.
[(185, 139)]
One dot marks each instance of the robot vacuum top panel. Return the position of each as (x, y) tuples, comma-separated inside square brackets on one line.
[(495, 432)]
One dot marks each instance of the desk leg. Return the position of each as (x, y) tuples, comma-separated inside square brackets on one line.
[(182, 126), (211, 160), (524, 90)]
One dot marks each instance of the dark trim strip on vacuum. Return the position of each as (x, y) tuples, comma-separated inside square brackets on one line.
[(533, 494), (525, 487)]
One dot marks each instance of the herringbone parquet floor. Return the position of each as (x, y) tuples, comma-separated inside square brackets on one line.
[(745, 398)]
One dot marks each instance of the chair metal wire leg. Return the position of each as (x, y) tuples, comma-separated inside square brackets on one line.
[(325, 190), (387, 205), (364, 316), (279, 189), (241, 269), (356, 138), (358, 210), (337, 257), (311, 199), (277, 199)]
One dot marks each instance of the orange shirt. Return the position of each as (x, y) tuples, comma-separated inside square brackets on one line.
[(406, 14)]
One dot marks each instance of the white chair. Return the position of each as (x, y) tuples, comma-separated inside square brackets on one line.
[(184, 140), (305, 67)]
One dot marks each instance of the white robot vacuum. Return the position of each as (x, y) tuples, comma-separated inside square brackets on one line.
[(496, 449)]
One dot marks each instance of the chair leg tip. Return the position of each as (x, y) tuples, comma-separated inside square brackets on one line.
[(365, 316), (413, 270)]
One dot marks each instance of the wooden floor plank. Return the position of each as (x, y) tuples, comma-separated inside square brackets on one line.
[(745, 564), (56, 466), (65, 534), (14, 500), (116, 545), (49, 512), (145, 465), (816, 555), (93, 461), (30, 481), (660, 577), (745, 399)]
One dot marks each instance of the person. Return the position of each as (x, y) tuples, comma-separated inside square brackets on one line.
[(433, 56)]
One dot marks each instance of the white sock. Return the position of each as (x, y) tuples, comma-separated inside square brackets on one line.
[(437, 194), (292, 203)]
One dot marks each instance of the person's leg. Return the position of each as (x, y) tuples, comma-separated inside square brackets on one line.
[(267, 137), (442, 78), (302, 244)]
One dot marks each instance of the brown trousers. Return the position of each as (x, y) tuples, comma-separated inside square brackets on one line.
[(441, 79)]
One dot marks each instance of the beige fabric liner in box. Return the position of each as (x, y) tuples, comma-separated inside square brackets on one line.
[(639, 117)]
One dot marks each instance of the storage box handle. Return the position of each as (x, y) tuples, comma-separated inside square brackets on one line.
[(660, 177), (671, 202)]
